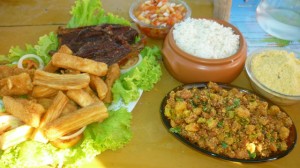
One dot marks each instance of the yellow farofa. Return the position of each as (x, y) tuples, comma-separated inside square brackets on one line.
[(279, 70)]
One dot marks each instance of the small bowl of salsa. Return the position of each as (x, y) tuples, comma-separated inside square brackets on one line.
[(155, 18)]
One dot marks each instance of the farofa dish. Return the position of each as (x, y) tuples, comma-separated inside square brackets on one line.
[(278, 70), (230, 123)]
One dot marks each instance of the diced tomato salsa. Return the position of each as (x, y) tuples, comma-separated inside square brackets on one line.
[(160, 12)]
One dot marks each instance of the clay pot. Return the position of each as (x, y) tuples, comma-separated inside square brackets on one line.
[(187, 68)]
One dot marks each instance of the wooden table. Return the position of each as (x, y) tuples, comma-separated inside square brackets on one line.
[(23, 21)]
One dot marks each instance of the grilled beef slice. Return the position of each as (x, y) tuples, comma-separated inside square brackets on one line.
[(109, 43)]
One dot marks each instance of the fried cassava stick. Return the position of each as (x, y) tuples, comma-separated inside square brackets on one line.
[(92, 94), (16, 85), (43, 91), (69, 108), (52, 113), (99, 85), (15, 136), (81, 64), (61, 81), (55, 109), (63, 49), (25, 114), (96, 112), (112, 75), (81, 97)]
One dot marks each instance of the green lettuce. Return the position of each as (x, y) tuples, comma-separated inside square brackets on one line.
[(28, 154), (144, 76), (44, 46), (90, 12), (4, 60), (113, 133)]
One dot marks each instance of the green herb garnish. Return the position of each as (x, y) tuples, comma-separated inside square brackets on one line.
[(236, 103), (175, 130), (252, 155), (220, 124), (179, 99), (224, 144)]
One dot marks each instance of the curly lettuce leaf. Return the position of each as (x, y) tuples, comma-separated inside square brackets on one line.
[(112, 134), (28, 154), (90, 12), (4, 60), (44, 46), (144, 76), (15, 53)]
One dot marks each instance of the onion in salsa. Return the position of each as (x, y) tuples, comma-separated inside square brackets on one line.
[(160, 12), (156, 17)]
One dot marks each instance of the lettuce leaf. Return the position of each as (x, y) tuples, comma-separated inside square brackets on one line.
[(43, 47), (4, 60), (46, 44), (144, 76), (90, 12), (29, 154), (112, 134)]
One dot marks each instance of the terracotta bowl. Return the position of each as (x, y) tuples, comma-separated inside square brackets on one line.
[(187, 68)]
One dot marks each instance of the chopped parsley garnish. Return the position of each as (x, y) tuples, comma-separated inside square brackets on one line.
[(252, 155), (220, 124), (175, 130), (179, 99), (224, 145), (192, 103), (236, 103), (204, 108)]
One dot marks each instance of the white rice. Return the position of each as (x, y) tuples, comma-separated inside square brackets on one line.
[(205, 38)]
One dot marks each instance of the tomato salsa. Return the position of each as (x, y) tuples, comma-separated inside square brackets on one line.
[(155, 17), (160, 12)]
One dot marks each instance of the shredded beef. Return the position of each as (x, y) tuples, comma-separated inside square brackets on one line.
[(109, 43)]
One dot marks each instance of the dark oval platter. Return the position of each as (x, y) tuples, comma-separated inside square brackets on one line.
[(291, 140)]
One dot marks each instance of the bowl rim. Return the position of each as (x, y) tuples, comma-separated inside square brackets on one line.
[(261, 85), (142, 24), (242, 45)]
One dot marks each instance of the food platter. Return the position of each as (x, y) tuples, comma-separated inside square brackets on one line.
[(291, 141), (124, 56), (155, 146)]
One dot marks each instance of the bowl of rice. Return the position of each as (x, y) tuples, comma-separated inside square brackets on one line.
[(274, 73), (204, 49)]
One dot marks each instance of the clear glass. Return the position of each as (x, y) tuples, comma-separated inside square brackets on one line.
[(280, 18)]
